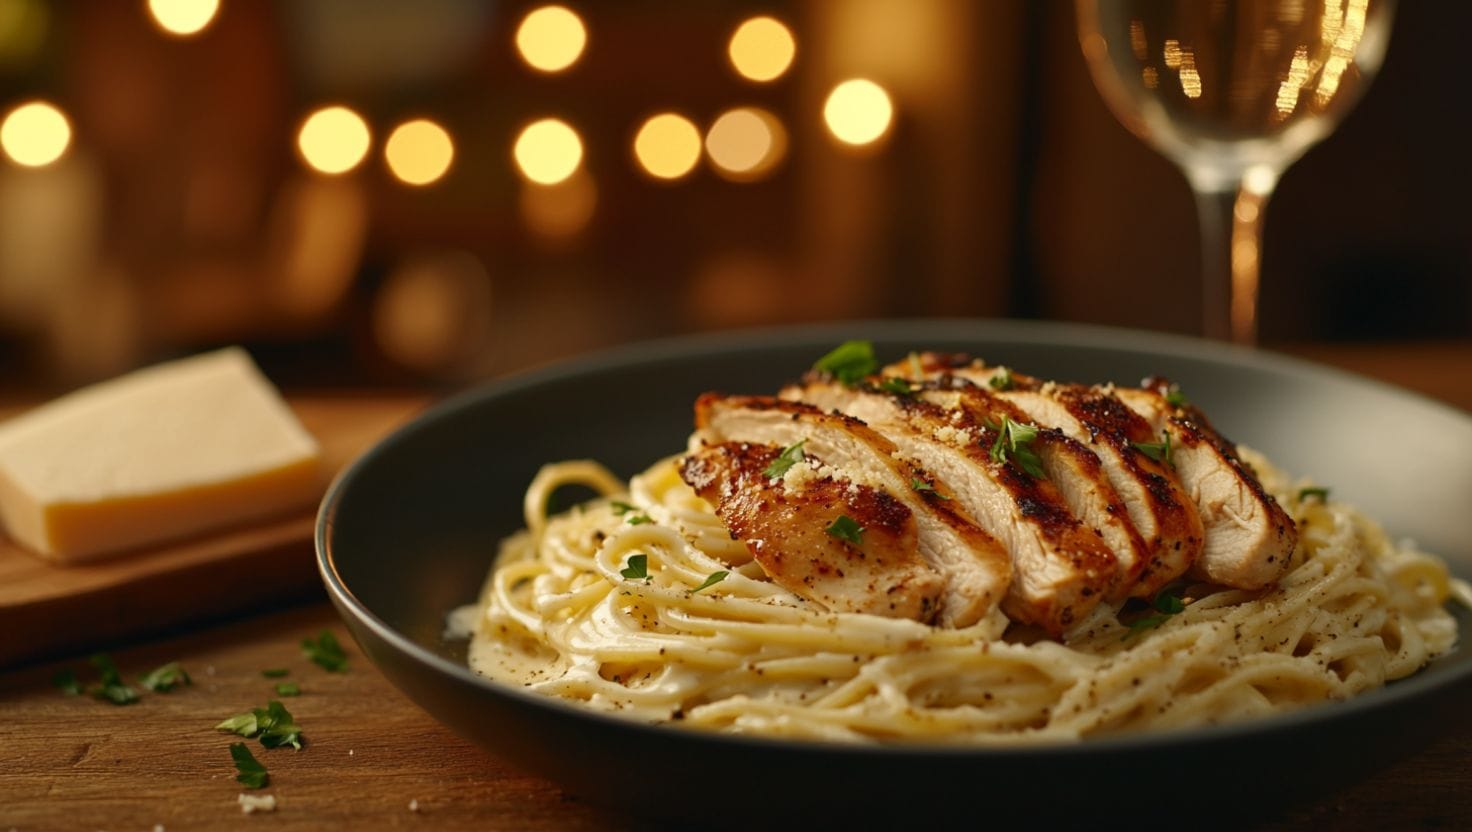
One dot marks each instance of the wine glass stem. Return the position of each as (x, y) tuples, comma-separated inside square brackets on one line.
[(1231, 247)]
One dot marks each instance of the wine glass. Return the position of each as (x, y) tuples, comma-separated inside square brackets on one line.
[(1232, 91)]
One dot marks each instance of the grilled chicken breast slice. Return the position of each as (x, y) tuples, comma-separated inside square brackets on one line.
[(976, 567), (1249, 537), (1061, 568), (1158, 508), (783, 523)]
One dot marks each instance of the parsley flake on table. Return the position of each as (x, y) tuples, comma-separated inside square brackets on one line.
[(273, 725), (711, 580), (166, 678), (1014, 443), (1313, 491), (926, 488), (251, 773), (846, 528), (1158, 451), (326, 652), (288, 689), (637, 568), (790, 456), (110, 687), (849, 362), (275, 672), (1001, 379)]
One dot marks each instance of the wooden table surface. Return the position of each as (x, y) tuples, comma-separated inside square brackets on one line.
[(373, 760)]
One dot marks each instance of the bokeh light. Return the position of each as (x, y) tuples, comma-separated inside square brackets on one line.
[(419, 152), (551, 38), (183, 17), (333, 140), (547, 151), (762, 49), (667, 146), (35, 134), (858, 112), (746, 142)]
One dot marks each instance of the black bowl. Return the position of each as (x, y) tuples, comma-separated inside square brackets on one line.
[(408, 532)]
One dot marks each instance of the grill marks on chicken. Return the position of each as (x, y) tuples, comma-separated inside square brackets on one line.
[(950, 530)]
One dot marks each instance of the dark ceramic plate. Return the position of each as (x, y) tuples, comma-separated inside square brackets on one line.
[(407, 533)]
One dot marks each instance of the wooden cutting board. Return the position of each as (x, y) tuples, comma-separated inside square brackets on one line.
[(47, 609)]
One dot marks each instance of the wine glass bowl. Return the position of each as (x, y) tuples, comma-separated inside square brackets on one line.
[(1232, 91)]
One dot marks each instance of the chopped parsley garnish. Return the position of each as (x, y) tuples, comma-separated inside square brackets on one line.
[(1165, 605), (638, 568), (110, 687), (275, 672), (897, 386), (251, 773), (1013, 443), (326, 652), (711, 580), (849, 362), (273, 725), (638, 520), (1315, 491), (1158, 451), (926, 488), (790, 456), (620, 507), (1001, 379), (288, 689), (65, 680), (846, 528), (1174, 397), (166, 678)]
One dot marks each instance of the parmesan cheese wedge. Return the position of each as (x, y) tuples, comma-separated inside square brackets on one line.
[(154, 455)]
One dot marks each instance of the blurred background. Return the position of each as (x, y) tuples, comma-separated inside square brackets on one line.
[(422, 193)]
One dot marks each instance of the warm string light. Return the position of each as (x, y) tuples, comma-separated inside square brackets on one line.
[(667, 146), (745, 143), (548, 151), (183, 18), (35, 134), (551, 38), (858, 112), (419, 152), (333, 140), (762, 49)]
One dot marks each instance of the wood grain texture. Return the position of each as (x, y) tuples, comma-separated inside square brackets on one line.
[(71, 607), (74, 762)]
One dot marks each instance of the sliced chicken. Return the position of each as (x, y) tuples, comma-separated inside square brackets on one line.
[(1157, 507), (1249, 537), (784, 523), (976, 567), (1062, 568)]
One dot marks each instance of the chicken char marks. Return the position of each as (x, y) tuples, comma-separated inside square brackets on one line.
[(784, 523), (950, 530), (977, 571)]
